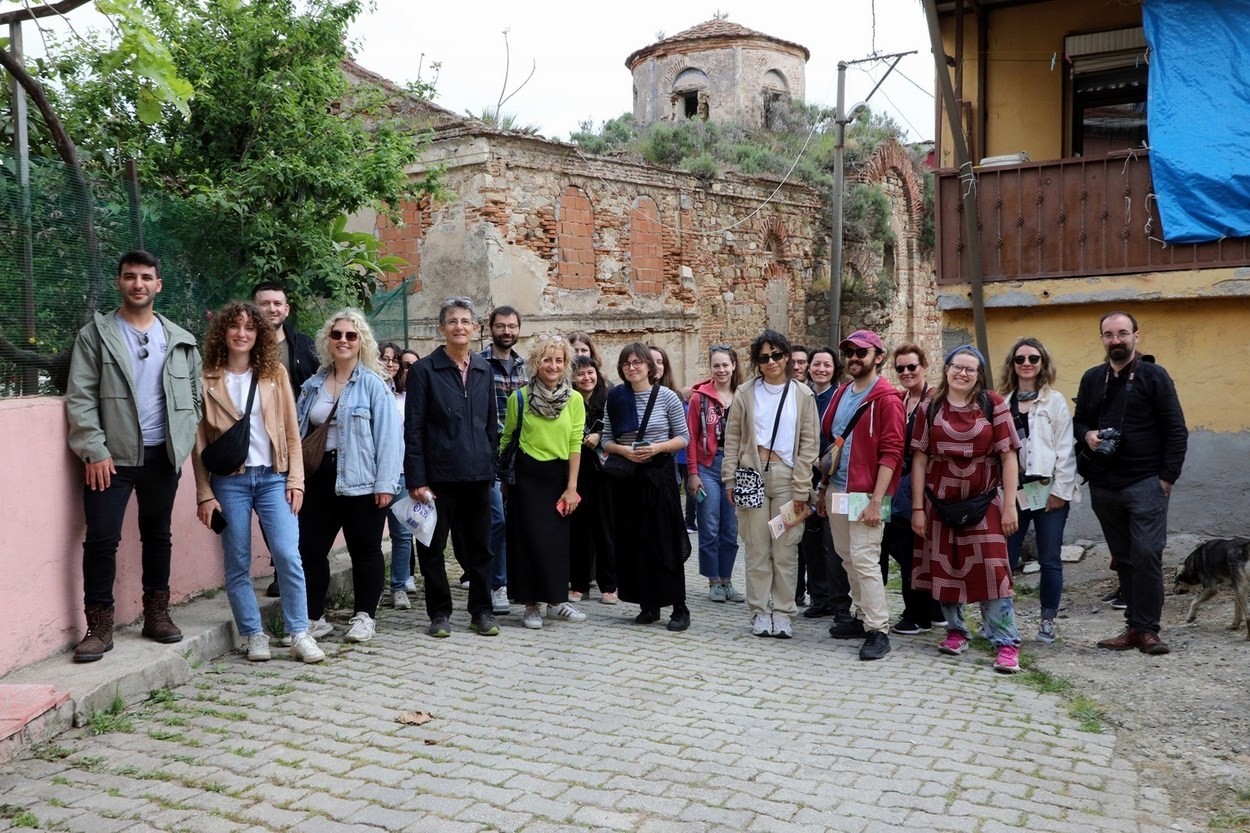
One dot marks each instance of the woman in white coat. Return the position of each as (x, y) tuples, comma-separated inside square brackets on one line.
[(1047, 466)]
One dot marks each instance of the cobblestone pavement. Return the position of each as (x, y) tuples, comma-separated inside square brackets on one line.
[(603, 725)]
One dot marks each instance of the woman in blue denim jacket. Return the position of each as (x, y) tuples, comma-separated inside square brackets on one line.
[(355, 483)]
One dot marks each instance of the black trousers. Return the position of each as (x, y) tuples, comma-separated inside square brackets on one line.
[(899, 542), (464, 514), (323, 515), (155, 484), (814, 561)]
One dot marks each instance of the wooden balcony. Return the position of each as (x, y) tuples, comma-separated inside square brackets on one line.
[(1068, 218)]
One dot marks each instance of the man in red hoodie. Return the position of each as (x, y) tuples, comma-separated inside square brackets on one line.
[(868, 411)]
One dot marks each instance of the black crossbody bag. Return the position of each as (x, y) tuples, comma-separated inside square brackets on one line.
[(226, 454)]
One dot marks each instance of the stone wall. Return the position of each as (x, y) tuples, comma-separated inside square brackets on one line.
[(682, 262)]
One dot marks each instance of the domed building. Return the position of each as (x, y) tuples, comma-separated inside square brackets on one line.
[(718, 71)]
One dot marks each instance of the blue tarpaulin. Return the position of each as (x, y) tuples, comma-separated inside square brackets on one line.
[(1199, 116)]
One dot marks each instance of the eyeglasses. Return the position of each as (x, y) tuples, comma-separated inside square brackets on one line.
[(633, 364), (855, 352), (555, 338), (962, 369), (143, 350), (1033, 359), (719, 348), (905, 368), (775, 356), (391, 360), (339, 335), (1121, 335), (507, 328)]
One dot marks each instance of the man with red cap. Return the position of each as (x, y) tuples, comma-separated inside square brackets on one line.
[(867, 412)]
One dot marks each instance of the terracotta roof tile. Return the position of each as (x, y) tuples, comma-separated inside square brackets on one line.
[(712, 30)]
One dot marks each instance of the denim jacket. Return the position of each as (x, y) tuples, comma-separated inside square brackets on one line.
[(370, 440)]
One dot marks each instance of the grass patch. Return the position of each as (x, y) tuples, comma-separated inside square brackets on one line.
[(1232, 820), (161, 695), (111, 719), (60, 780), (1087, 712), (19, 816), (50, 751), (1044, 681), (276, 625), (162, 734)]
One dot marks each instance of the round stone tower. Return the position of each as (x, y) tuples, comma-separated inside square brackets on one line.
[(719, 71)]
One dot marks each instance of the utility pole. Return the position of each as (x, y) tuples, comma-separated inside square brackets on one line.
[(26, 256), (841, 118)]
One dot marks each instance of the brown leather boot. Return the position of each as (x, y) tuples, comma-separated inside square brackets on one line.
[(1124, 642), (156, 622), (99, 636), (1150, 643)]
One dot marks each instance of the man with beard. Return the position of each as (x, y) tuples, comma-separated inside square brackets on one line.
[(296, 351), (868, 412), (508, 369), (1131, 442), (133, 405)]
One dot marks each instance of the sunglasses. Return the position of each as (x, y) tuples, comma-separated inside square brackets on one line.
[(143, 350), (905, 368), (339, 335), (775, 356), (1034, 359), (855, 352)]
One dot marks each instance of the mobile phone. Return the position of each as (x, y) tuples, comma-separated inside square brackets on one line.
[(217, 522), (640, 444), (700, 495)]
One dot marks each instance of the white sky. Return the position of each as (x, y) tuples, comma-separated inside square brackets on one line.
[(580, 50)]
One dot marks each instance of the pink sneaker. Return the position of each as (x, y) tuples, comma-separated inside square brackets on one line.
[(954, 644), (1008, 661)]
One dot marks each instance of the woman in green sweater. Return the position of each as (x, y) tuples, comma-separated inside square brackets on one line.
[(552, 416)]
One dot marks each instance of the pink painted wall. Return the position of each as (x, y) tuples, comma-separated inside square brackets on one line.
[(41, 532)]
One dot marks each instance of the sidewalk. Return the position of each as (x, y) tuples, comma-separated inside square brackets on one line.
[(603, 725)]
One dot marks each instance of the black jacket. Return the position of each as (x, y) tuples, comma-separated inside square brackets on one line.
[(450, 430), (1147, 413), (302, 355)]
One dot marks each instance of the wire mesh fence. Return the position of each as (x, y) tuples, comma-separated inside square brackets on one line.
[(60, 239)]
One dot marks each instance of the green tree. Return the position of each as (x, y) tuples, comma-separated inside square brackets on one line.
[(274, 147)]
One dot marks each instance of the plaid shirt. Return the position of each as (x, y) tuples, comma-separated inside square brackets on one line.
[(505, 383)]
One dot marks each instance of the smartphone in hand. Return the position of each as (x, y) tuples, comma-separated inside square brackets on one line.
[(640, 444), (217, 522)]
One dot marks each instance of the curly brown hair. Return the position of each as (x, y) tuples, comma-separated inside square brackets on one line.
[(264, 353)]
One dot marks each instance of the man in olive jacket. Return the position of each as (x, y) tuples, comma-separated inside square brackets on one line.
[(133, 404)]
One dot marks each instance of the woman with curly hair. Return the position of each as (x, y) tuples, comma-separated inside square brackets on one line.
[(241, 365), (357, 477), (547, 417), (1047, 467)]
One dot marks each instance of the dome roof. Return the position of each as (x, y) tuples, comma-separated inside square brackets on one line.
[(711, 30)]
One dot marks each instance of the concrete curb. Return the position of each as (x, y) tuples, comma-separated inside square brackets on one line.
[(136, 666)]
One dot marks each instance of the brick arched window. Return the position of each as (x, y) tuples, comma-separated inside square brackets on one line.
[(575, 251), (646, 246)]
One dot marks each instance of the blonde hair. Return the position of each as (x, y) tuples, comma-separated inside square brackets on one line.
[(545, 344), (369, 354)]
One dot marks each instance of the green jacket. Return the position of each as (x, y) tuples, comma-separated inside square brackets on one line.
[(100, 401)]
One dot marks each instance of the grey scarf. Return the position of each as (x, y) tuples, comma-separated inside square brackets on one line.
[(547, 403)]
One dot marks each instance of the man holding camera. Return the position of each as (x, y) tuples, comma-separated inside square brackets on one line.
[(1131, 440)]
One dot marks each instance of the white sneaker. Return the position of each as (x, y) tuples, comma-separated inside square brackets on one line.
[(320, 628), (256, 647), (761, 625), (533, 618), (565, 611), (410, 585), (400, 599), (362, 627), (499, 601), (781, 626), (304, 648)]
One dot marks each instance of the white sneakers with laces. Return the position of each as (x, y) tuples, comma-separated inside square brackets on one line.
[(499, 601), (362, 627), (305, 649), (533, 618), (565, 611), (256, 647), (761, 625)]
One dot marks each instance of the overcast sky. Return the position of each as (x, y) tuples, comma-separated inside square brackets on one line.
[(580, 49)]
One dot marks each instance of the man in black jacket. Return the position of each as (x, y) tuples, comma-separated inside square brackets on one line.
[(451, 440), (296, 351), (1131, 441)]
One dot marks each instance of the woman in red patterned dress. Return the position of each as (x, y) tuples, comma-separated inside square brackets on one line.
[(966, 449)]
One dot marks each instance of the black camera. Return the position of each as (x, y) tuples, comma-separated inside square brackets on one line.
[(1110, 442)]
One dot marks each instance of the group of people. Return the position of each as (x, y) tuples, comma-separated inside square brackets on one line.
[(823, 480)]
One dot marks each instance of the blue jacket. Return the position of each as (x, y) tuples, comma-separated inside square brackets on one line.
[(370, 439)]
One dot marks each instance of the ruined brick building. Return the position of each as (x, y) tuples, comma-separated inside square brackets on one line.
[(625, 250)]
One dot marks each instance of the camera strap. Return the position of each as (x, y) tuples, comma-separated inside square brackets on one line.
[(1128, 388)]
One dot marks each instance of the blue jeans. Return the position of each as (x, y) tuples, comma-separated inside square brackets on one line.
[(401, 549), (262, 489), (1049, 527), (718, 524), (998, 620), (498, 538)]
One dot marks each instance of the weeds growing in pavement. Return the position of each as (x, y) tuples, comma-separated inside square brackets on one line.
[(1088, 712), (50, 752), (111, 719)]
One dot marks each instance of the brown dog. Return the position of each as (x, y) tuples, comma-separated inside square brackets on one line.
[(1222, 561)]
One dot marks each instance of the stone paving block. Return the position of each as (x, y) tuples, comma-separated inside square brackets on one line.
[(442, 806), (596, 817), (331, 806), (494, 818)]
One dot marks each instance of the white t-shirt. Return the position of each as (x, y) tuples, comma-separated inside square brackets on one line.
[(260, 450), (767, 398)]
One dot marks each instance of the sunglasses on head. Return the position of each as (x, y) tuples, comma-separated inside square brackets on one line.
[(775, 356), (339, 335), (856, 352), (905, 368), (1034, 359)]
